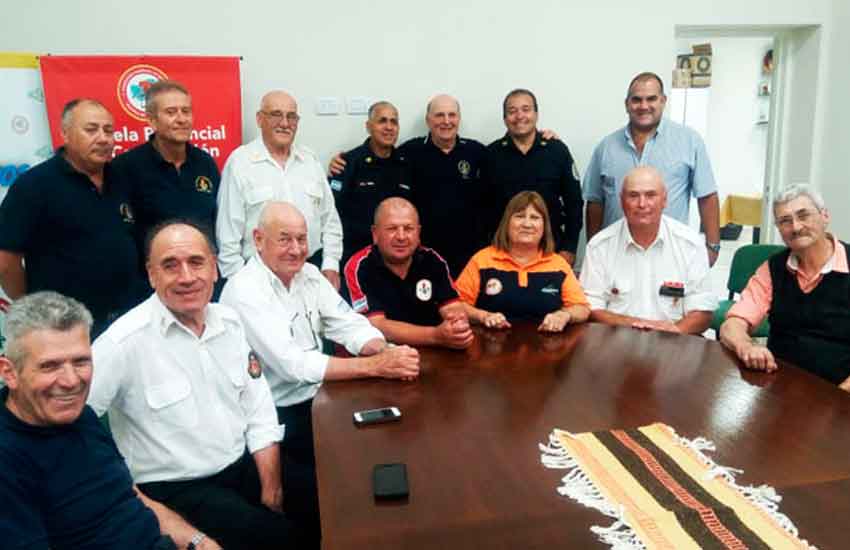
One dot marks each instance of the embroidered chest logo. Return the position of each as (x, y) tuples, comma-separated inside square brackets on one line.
[(464, 168), (549, 289), (203, 184), (423, 290), (126, 213), (255, 369), (493, 287)]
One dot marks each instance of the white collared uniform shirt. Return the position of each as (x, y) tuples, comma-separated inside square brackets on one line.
[(622, 277), (180, 407), (285, 326), (250, 179)]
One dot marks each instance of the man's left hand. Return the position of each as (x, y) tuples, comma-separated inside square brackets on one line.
[(845, 385), (332, 276), (712, 257)]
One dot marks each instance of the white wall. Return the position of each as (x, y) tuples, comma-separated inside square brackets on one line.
[(577, 59), (832, 169)]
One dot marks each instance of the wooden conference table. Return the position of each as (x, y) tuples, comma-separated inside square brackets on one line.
[(472, 423)]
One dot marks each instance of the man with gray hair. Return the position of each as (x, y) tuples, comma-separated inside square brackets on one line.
[(65, 483), (374, 171), (804, 291), (67, 223), (287, 306), (274, 167)]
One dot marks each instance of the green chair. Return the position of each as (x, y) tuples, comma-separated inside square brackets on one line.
[(744, 263)]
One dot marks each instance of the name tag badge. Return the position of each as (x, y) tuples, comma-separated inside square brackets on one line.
[(674, 289)]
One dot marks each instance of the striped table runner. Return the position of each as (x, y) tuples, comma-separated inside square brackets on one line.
[(664, 492)]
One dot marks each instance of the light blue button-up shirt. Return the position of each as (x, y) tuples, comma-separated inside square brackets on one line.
[(676, 151)]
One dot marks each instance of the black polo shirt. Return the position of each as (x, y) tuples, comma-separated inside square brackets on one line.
[(547, 168), (366, 181), (416, 299), (448, 194), (74, 239), (160, 192)]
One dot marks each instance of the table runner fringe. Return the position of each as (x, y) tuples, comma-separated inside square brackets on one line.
[(579, 487), (620, 535)]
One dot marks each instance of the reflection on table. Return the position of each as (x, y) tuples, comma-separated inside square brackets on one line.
[(472, 422)]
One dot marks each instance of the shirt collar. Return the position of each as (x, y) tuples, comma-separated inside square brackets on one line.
[(157, 156), (658, 130), (507, 141), (274, 281), (628, 240), (260, 153), (163, 319), (505, 256), (837, 262)]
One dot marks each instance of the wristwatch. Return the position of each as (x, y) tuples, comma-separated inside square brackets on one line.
[(714, 247), (197, 538)]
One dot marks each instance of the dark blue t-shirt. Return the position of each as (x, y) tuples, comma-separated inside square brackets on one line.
[(67, 487)]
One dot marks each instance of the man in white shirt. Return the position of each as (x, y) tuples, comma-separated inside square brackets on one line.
[(647, 270), (269, 168), (287, 306), (184, 400)]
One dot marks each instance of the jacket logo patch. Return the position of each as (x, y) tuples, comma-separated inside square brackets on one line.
[(126, 213), (203, 184), (423, 290), (493, 287), (336, 185), (549, 289), (255, 369), (464, 168)]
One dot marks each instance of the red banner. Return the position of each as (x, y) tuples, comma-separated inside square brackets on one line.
[(119, 82)]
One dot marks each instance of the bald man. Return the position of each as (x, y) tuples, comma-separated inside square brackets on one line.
[(373, 172), (287, 306), (273, 167), (446, 172), (647, 270), (403, 288)]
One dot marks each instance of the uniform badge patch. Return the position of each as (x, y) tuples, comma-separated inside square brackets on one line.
[(549, 289), (336, 185), (493, 287), (423, 290), (464, 168), (126, 213), (203, 184), (255, 368)]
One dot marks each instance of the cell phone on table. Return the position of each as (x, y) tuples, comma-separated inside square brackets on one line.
[(389, 482), (376, 416)]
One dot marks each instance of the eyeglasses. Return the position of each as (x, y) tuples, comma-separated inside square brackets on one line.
[(801, 216), (301, 331), (276, 116)]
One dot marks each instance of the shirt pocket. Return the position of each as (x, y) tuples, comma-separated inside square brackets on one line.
[(172, 406), (673, 307), (619, 297)]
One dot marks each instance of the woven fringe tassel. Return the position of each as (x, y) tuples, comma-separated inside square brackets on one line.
[(764, 497)]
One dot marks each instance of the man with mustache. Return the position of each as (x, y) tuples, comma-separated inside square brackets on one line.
[(67, 223), (525, 160), (188, 407), (373, 172), (804, 291), (273, 167), (64, 482), (647, 270), (168, 176), (677, 151)]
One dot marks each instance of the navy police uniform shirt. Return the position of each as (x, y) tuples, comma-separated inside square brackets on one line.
[(447, 192), (366, 181), (547, 168), (74, 239), (416, 299), (159, 191)]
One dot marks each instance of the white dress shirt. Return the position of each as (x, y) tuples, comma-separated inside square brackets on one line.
[(250, 179), (180, 407), (285, 326), (622, 277)]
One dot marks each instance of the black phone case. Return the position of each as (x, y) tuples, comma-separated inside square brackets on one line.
[(389, 481)]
